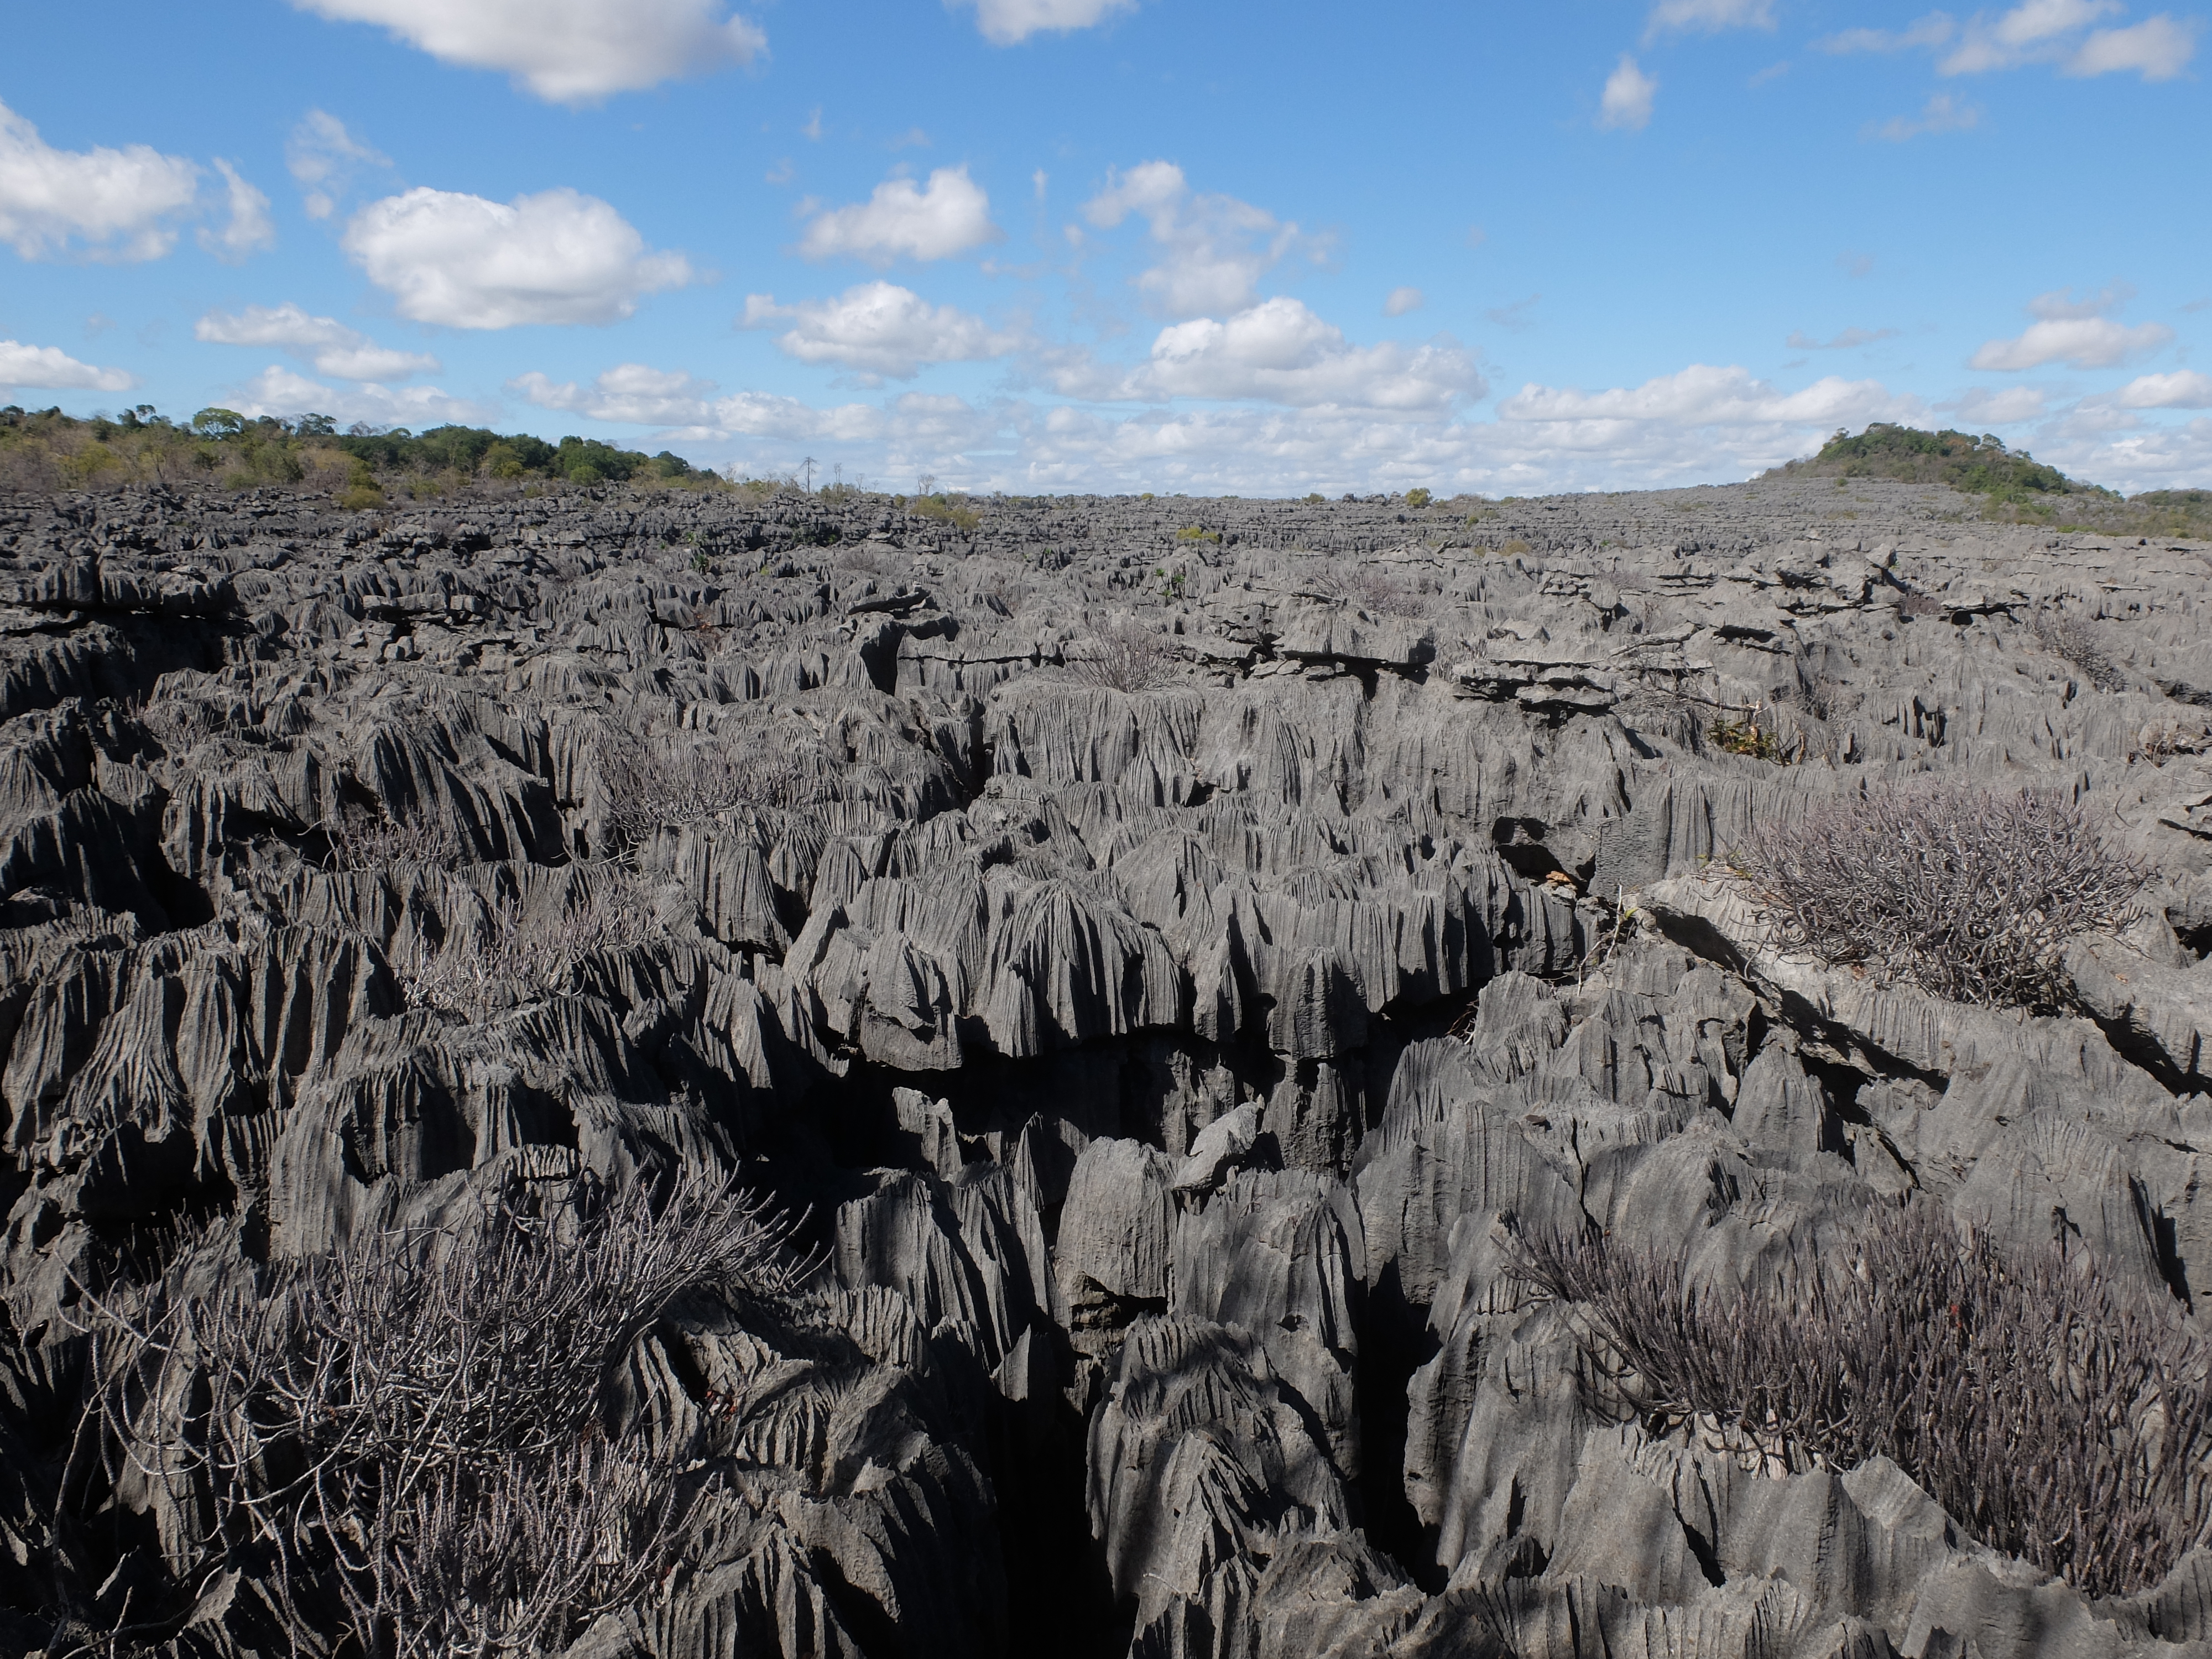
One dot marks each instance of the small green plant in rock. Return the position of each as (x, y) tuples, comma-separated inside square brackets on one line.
[(1745, 736), (1418, 498)]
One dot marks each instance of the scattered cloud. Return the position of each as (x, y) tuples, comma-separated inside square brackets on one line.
[(464, 262), (2028, 33), (1703, 425), (1402, 301), (109, 204), (628, 392), (328, 344), (279, 391), (2158, 49), (1626, 102), (49, 368), (1940, 113), (1853, 263), (2183, 389), (1925, 33), (249, 230), (1701, 395), (565, 52), (1280, 352), (1980, 406), (1214, 249), (1515, 317), (949, 216), (781, 173), (1708, 15), (1850, 340), (2060, 32), (1009, 22), (1772, 72), (2087, 343), (322, 156), (878, 330), (912, 138), (2074, 330)]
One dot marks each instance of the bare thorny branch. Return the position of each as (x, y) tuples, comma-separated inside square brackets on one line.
[(2054, 1413), (411, 1437), (1971, 895)]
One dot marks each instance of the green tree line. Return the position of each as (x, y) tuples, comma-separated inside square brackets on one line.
[(47, 450)]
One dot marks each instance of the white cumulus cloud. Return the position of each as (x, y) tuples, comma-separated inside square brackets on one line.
[(1214, 249), (281, 391), (2034, 33), (116, 204), (567, 52), (333, 349), (1710, 15), (2183, 389), (2074, 331), (1007, 22), (464, 262), (2078, 342), (1626, 105), (1701, 395), (2158, 49), (877, 329), (248, 230), (1981, 407), (629, 392), (1402, 301), (1280, 352), (49, 368), (902, 221)]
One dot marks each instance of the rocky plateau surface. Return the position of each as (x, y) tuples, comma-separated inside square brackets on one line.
[(1154, 944)]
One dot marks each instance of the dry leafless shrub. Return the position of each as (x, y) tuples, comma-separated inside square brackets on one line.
[(2065, 635), (2168, 738), (1969, 894), (1125, 658), (650, 787), (1375, 590), (373, 842), (2056, 1414), (411, 1441), (528, 954)]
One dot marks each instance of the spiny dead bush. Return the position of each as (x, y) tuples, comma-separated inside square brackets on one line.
[(367, 841), (412, 1441), (653, 785), (1124, 659), (2055, 1414), (2065, 635), (1969, 894), (526, 955)]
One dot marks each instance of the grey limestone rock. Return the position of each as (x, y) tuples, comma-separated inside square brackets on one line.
[(1156, 952)]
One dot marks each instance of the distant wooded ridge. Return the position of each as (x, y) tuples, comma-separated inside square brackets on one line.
[(2018, 486)]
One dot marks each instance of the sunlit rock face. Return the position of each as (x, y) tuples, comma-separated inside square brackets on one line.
[(1162, 956)]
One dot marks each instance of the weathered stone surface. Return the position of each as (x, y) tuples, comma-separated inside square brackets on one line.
[(1159, 1057)]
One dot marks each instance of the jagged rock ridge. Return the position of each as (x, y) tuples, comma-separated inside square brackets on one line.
[(1157, 943)]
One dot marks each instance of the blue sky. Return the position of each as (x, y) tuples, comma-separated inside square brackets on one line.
[(1056, 244)]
